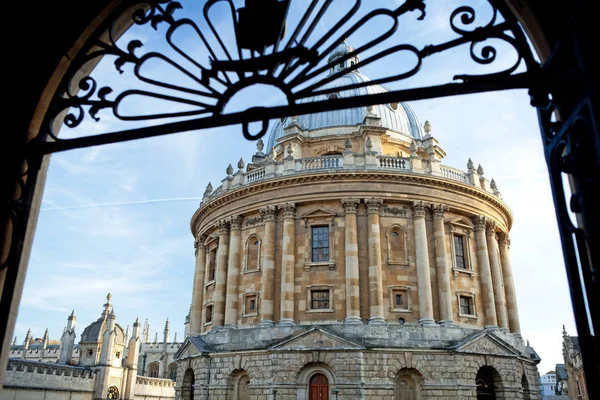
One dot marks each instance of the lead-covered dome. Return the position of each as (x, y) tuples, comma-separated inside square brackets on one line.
[(94, 331), (396, 117)]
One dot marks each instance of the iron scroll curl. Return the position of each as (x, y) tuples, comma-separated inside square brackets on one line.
[(297, 65)]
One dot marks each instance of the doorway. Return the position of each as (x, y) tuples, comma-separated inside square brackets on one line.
[(318, 387)]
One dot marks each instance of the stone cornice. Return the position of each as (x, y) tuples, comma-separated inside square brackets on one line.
[(376, 176)]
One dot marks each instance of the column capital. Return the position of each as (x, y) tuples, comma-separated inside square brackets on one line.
[(418, 209), (479, 222), (268, 213), (289, 210), (350, 204), (373, 205), (490, 228), (235, 222), (503, 239), (199, 244), (438, 210), (223, 226)]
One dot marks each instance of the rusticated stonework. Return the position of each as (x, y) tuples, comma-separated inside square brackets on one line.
[(377, 280)]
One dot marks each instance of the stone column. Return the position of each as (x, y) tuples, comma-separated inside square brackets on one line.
[(288, 263), (376, 315), (198, 291), (269, 216), (485, 273), (221, 274), (422, 260), (442, 271), (499, 298), (509, 285), (233, 272), (351, 261)]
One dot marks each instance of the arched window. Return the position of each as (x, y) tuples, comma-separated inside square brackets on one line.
[(187, 386), (487, 380), (396, 239), (112, 393), (240, 380), (253, 245), (172, 371), (525, 388), (407, 384), (153, 370)]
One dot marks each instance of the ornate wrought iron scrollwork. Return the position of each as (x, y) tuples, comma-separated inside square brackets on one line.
[(262, 54)]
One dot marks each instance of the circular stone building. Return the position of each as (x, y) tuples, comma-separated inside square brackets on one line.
[(347, 262)]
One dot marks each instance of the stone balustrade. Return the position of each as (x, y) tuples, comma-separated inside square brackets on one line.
[(323, 162), (354, 162), (453, 173), (387, 162)]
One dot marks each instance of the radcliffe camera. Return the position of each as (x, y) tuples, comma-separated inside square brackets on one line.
[(302, 200)]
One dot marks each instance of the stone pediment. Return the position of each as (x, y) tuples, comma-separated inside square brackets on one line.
[(485, 342), (316, 339), (193, 346), (461, 221), (319, 213)]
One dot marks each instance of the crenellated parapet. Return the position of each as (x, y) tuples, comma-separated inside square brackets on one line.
[(37, 367)]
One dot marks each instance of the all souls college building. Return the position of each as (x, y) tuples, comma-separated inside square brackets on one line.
[(347, 262)]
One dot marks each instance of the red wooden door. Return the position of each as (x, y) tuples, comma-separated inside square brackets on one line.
[(318, 388)]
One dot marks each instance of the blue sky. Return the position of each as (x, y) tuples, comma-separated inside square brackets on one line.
[(116, 218)]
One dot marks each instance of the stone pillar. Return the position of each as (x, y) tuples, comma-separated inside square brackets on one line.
[(422, 260), (269, 216), (376, 315), (499, 298), (288, 263), (442, 271), (485, 273), (221, 274), (198, 290), (233, 272), (351, 261), (509, 285)]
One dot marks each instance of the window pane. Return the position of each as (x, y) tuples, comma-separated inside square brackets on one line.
[(465, 305), (319, 299), (459, 251), (320, 243), (398, 299)]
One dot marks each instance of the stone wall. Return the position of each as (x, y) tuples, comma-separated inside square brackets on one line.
[(361, 361), (154, 388), (37, 380)]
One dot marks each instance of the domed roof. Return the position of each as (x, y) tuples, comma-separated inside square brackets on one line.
[(397, 117), (94, 331)]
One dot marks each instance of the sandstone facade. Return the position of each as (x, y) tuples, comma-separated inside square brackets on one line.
[(347, 262)]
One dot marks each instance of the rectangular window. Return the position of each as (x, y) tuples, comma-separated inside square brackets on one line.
[(459, 251), (250, 304), (209, 314), (213, 265), (320, 243), (466, 305), (319, 299), (398, 300)]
